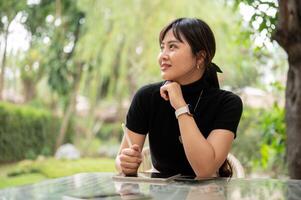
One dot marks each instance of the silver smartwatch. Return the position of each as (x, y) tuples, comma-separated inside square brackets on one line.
[(183, 110)]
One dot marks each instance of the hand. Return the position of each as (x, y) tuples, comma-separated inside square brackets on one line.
[(172, 91), (130, 159)]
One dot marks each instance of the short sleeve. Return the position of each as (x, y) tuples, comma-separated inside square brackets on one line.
[(138, 114), (229, 113)]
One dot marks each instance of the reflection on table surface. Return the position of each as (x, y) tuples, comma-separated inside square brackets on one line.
[(101, 186)]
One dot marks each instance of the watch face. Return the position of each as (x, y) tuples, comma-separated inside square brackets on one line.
[(190, 109)]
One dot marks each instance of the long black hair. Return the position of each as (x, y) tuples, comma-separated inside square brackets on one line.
[(200, 37)]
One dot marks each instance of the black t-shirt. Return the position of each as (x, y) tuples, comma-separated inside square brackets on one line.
[(150, 114)]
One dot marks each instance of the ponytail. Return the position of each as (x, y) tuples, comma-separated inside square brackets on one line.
[(225, 170), (211, 74)]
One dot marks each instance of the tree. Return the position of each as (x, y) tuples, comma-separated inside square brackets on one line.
[(32, 65), (288, 35), (285, 28), (9, 10), (65, 70)]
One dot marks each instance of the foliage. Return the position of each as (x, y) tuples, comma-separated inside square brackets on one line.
[(259, 23), (26, 132), (262, 138), (61, 66), (246, 146), (110, 131), (9, 10), (264, 16), (273, 141), (270, 123)]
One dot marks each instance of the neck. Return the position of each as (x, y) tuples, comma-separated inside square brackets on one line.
[(191, 77)]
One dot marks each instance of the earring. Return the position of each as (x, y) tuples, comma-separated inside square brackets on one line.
[(198, 66)]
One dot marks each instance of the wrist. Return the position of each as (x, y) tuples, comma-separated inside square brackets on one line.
[(183, 110), (180, 105)]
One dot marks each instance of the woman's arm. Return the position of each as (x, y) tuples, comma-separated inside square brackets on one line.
[(204, 155), (129, 158)]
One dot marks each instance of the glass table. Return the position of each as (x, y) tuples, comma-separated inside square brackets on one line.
[(102, 186)]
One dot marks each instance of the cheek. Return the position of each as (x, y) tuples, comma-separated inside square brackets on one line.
[(189, 58)]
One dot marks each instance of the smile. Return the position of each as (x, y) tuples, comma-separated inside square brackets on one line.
[(165, 66)]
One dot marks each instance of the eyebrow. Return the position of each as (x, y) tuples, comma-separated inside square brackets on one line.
[(171, 41)]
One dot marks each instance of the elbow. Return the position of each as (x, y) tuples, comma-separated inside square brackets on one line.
[(207, 169), (205, 172)]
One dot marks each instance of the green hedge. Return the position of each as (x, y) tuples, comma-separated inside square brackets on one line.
[(26, 132)]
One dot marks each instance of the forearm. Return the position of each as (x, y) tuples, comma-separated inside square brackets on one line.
[(129, 158), (198, 150)]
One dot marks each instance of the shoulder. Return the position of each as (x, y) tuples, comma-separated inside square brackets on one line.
[(148, 90), (230, 101), (230, 109), (228, 96)]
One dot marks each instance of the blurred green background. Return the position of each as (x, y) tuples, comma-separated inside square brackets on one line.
[(70, 68)]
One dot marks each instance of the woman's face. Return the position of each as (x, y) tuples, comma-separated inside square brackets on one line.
[(177, 62)]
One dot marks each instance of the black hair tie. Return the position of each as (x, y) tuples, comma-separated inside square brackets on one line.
[(212, 74), (216, 68)]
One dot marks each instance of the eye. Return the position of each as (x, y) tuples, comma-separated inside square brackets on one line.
[(172, 46), (161, 47)]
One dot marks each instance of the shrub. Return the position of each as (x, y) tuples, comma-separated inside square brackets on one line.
[(273, 140), (26, 132), (261, 139)]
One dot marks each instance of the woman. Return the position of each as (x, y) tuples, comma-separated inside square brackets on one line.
[(191, 122)]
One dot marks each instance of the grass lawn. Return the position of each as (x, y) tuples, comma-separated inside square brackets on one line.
[(21, 180), (28, 171)]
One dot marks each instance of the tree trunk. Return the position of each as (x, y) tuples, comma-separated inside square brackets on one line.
[(75, 87), (3, 63), (29, 87), (293, 120), (71, 106), (288, 35)]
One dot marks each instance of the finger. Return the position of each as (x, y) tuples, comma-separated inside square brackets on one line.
[(167, 82), (136, 147), (130, 152), (130, 159), (163, 90), (128, 171), (164, 93), (129, 165)]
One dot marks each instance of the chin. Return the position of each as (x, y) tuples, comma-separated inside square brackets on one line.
[(166, 77)]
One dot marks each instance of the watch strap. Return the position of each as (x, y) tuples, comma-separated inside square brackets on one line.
[(182, 110)]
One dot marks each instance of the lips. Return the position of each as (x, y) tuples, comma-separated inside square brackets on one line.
[(165, 66)]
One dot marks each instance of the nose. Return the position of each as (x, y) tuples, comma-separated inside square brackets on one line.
[(163, 55)]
